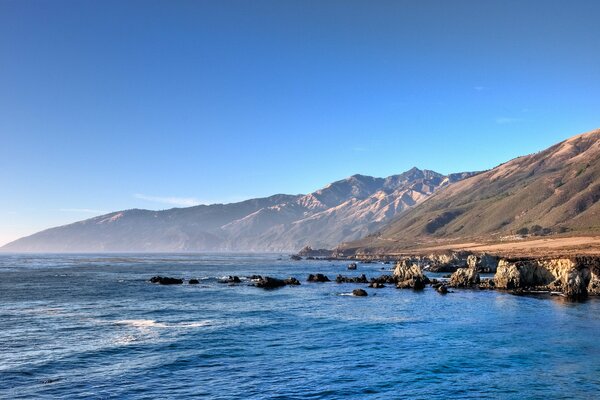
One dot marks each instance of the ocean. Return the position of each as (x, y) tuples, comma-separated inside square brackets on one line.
[(92, 326)]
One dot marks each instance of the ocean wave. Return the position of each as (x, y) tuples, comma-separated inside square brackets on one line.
[(150, 323)]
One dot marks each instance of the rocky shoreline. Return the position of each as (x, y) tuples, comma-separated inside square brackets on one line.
[(574, 278)]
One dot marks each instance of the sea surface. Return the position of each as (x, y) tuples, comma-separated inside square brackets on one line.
[(93, 327)]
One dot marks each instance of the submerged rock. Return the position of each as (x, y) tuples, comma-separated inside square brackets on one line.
[(359, 293), (164, 280), (193, 281)]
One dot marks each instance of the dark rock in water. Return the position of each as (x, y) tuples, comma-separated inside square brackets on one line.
[(442, 289), (254, 277), (384, 279), (193, 281), (349, 279), (164, 280), (270, 283), (376, 285), (292, 281), (317, 278), (352, 266), (230, 279), (359, 293), (295, 257), (416, 283)]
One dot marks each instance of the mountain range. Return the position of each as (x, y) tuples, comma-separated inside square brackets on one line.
[(341, 211), (551, 193)]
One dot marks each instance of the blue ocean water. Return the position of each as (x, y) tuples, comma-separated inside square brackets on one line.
[(91, 326)]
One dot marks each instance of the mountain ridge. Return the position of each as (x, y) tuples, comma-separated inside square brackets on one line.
[(346, 209), (551, 192)]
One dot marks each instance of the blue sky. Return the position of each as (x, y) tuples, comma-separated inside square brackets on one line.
[(151, 104)]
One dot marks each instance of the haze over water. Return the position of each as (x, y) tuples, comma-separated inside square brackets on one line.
[(91, 326)]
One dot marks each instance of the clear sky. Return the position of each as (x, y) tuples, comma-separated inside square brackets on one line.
[(108, 105)]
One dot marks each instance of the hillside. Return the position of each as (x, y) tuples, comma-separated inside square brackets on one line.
[(548, 194), (344, 210)]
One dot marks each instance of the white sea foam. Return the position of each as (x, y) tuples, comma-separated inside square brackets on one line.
[(150, 323)]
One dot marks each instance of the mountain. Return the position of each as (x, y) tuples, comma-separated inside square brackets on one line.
[(342, 211), (553, 192)]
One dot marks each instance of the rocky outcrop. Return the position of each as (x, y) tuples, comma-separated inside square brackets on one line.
[(193, 282), (574, 277), (359, 293), (409, 275), (464, 277), (407, 269), (483, 262)]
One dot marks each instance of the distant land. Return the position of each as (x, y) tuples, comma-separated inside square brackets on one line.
[(547, 202), (533, 205), (345, 210)]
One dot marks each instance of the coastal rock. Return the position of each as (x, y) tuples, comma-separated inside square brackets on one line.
[(384, 279), (409, 275), (292, 281), (406, 270), (376, 285), (464, 277), (164, 280), (317, 278), (352, 266), (359, 293), (231, 279), (483, 262), (295, 257), (348, 279), (572, 276), (269, 283), (193, 281), (442, 289), (416, 283)]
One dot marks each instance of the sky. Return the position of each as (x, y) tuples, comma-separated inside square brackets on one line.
[(156, 104)]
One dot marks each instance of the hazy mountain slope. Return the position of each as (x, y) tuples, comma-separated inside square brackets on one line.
[(344, 210), (178, 229), (555, 190)]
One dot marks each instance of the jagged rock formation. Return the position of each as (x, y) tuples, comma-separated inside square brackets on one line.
[(465, 277), (575, 277), (344, 210)]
